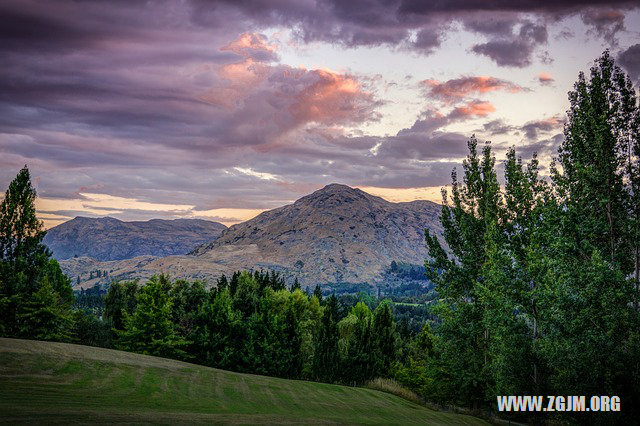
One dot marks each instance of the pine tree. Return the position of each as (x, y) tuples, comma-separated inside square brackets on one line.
[(150, 330), (326, 358), (383, 333), (43, 316), (218, 332), (317, 292), (295, 286), (120, 301)]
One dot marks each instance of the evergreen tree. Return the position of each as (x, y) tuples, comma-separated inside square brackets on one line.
[(149, 329), (295, 286), (317, 292), (383, 333), (218, 332), (326, 357), (120, 301), (44, 316)]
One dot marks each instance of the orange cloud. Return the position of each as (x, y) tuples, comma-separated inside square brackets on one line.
[(241, 77), (332, 98), (473, 108), (460, 87), (250, 45), (545, 78)]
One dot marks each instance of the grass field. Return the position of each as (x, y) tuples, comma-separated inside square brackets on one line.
[(43, 382)]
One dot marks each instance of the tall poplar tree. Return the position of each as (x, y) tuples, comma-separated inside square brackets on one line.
[(35, 296), (458, 276)]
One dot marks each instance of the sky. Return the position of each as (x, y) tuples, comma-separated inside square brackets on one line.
[(223, 109)]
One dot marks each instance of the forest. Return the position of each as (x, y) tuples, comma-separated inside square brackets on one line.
[(537, 281)]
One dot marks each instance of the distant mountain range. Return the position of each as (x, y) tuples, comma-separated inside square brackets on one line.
[(107, 238), (335, 236)]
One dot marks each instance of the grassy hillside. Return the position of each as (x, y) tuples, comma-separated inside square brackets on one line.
[(63, 383)]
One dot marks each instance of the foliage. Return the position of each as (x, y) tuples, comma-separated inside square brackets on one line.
[(539, 288), (35, 296), (150, 330)]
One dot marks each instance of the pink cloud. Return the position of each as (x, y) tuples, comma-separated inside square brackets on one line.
[(332, 98), (545, 78), (473, 108), (459, 88)]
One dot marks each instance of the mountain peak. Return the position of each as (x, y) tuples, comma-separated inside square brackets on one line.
[(336, 194)]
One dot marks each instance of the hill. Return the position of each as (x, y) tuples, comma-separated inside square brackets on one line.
[(58, 383), (107, 238), (337, 236)]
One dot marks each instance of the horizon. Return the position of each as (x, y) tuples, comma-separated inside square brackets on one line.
[(222, 111)]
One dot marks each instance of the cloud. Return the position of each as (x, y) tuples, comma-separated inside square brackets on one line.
[(497, 127), (456, 89), (164, 102), (629, 59), (254, 46), (605, 23), (514, 50), (543, 148), (413, 24), (533, 128), (475, 108), (545, 78)]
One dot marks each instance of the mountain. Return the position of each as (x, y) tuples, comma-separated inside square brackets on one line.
[(107, 238), (336, 236)]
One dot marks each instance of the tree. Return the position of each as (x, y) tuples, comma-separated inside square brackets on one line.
[(296, 285), (120, 301), (317, 292), (91, 331), (33, 289), (357, 345), (593, 158), (218, 332), (458, 276), (150, 330), (187, 299), (326, 357), (44, 316), (593, 252), (383, 333)]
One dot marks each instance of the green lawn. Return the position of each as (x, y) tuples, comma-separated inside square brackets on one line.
[(43, 382)]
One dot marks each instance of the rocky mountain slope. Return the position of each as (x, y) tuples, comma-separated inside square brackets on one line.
[(336, 235), (107, 238)]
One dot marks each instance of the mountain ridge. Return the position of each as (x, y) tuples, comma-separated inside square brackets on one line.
[(108, 238), (333, 236)]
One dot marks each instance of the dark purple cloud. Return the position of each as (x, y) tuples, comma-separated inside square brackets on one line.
[(533, 128), (630, 61), (496, 127), (606, 23), (391, 22), (514, 50)]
